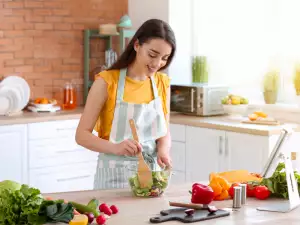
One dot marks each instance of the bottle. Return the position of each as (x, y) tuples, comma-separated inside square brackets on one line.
[(70, 98)]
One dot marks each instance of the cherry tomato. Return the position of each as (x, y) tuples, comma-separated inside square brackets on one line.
[(250, 190), (262, 192), (231, 189)]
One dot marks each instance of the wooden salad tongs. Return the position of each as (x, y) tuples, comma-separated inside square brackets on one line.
[(144, 172)]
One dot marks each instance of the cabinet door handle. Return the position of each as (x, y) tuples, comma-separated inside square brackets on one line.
[(226, 146), (72, 178), (192, 100), (220, 145)]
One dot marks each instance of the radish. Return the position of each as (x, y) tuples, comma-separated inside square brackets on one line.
[(114, 209), (101, 220), (102, 207)]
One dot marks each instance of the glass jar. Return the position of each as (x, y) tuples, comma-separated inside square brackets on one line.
[(70, 97)]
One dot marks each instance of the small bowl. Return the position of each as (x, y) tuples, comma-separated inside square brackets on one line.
[(235, 109), (161, 180), (43, 106)]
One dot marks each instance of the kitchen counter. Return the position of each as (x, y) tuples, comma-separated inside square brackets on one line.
[(226, 123), (138, 211), (229, 123), (34, 117)]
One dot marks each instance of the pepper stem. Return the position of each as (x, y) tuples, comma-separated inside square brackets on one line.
[(190, 192)]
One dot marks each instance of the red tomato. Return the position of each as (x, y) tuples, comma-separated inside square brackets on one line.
[(231, 190), (262, 192), (250, 190)]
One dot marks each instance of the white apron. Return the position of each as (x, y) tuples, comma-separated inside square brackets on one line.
[(151, 124)]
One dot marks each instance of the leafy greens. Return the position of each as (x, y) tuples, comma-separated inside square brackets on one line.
[(277, 182)]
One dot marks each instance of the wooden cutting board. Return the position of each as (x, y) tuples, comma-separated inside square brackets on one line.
[(179, 215), (262, 122)]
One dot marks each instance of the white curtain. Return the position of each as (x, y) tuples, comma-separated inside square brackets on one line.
[(243, 39)]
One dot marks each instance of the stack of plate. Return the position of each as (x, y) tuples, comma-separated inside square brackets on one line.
[(14, 95)]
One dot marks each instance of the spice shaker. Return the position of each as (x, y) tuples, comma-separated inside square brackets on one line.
[(243, 193), (237, 203)]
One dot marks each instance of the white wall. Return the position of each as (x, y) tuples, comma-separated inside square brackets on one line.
[(177, 14), (142, 10), (180, 20)]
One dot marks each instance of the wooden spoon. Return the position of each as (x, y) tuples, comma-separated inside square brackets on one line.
[(144, 173)]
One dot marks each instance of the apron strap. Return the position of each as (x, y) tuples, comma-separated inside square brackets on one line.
[(154, 88), (121, 84)]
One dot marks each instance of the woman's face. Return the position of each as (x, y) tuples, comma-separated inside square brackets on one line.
[(152, 55)]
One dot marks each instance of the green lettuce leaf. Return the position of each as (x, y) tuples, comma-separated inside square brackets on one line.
[(17, 206)]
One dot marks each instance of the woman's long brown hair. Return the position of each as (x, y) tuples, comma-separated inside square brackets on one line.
[(153, 28)]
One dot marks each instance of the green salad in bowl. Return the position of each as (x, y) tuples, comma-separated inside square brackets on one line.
[(160, 178)]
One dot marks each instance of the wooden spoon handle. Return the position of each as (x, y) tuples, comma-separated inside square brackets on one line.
[(134, 134), (133, 130)]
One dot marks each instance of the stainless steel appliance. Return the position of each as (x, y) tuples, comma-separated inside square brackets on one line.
[(198, 99)]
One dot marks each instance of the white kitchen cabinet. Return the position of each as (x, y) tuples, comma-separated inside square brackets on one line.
[(75, 177), (56, 162), (178, 153), (209, 150), (245, 152), (13, 153), (204, 148)]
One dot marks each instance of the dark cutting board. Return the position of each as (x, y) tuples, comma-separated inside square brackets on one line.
[(179, 215)]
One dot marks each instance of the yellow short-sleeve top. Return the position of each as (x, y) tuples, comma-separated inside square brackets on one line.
[(135, 91)]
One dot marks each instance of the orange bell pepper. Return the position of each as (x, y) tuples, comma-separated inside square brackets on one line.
[(220, 187)]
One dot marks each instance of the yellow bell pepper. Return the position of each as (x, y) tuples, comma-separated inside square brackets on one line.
[(79, 220)]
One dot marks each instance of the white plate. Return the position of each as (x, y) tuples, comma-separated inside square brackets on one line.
[(22, 85), (6, 101)]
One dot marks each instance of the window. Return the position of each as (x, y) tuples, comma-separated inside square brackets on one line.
[(243, 39)]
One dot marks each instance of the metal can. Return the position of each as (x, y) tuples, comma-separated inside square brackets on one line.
[(237, 200), (244, 193)]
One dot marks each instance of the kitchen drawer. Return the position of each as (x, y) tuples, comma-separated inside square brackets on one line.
[(177, 132), (52, 129), (59, 151), (178, 177), (178, 155), (76, 177)]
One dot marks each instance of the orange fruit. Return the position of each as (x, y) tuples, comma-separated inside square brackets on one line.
[(44, 101), (253, 117), (261, 114), (37, 101)]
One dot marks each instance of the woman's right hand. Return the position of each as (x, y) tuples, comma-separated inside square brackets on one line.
[(127, 148)]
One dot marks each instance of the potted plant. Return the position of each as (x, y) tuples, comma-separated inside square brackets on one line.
[(271, 85), (297, 80), (297, 83)]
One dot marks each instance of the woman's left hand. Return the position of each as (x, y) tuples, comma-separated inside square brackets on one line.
[(164, 159)]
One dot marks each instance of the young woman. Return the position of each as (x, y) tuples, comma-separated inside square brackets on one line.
[(133, 88)]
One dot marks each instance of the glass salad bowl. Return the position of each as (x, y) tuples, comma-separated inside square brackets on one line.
[(161, 179)]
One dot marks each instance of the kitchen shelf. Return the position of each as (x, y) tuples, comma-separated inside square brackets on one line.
[(94, 33)]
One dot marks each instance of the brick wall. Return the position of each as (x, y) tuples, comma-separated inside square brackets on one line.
[(43, 40)]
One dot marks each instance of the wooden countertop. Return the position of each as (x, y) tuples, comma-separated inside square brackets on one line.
[(34, 117), (229, 123), (138, 211), (226, 123)]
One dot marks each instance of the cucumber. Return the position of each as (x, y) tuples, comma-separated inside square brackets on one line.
[(85, 209), (93, 204)]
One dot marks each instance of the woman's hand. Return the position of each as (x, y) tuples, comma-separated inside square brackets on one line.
[(164, 158), (127, 148)]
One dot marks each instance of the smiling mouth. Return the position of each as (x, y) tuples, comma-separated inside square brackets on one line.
[(151, 69)]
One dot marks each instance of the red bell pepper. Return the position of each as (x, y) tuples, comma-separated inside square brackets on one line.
[(202, 194)]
